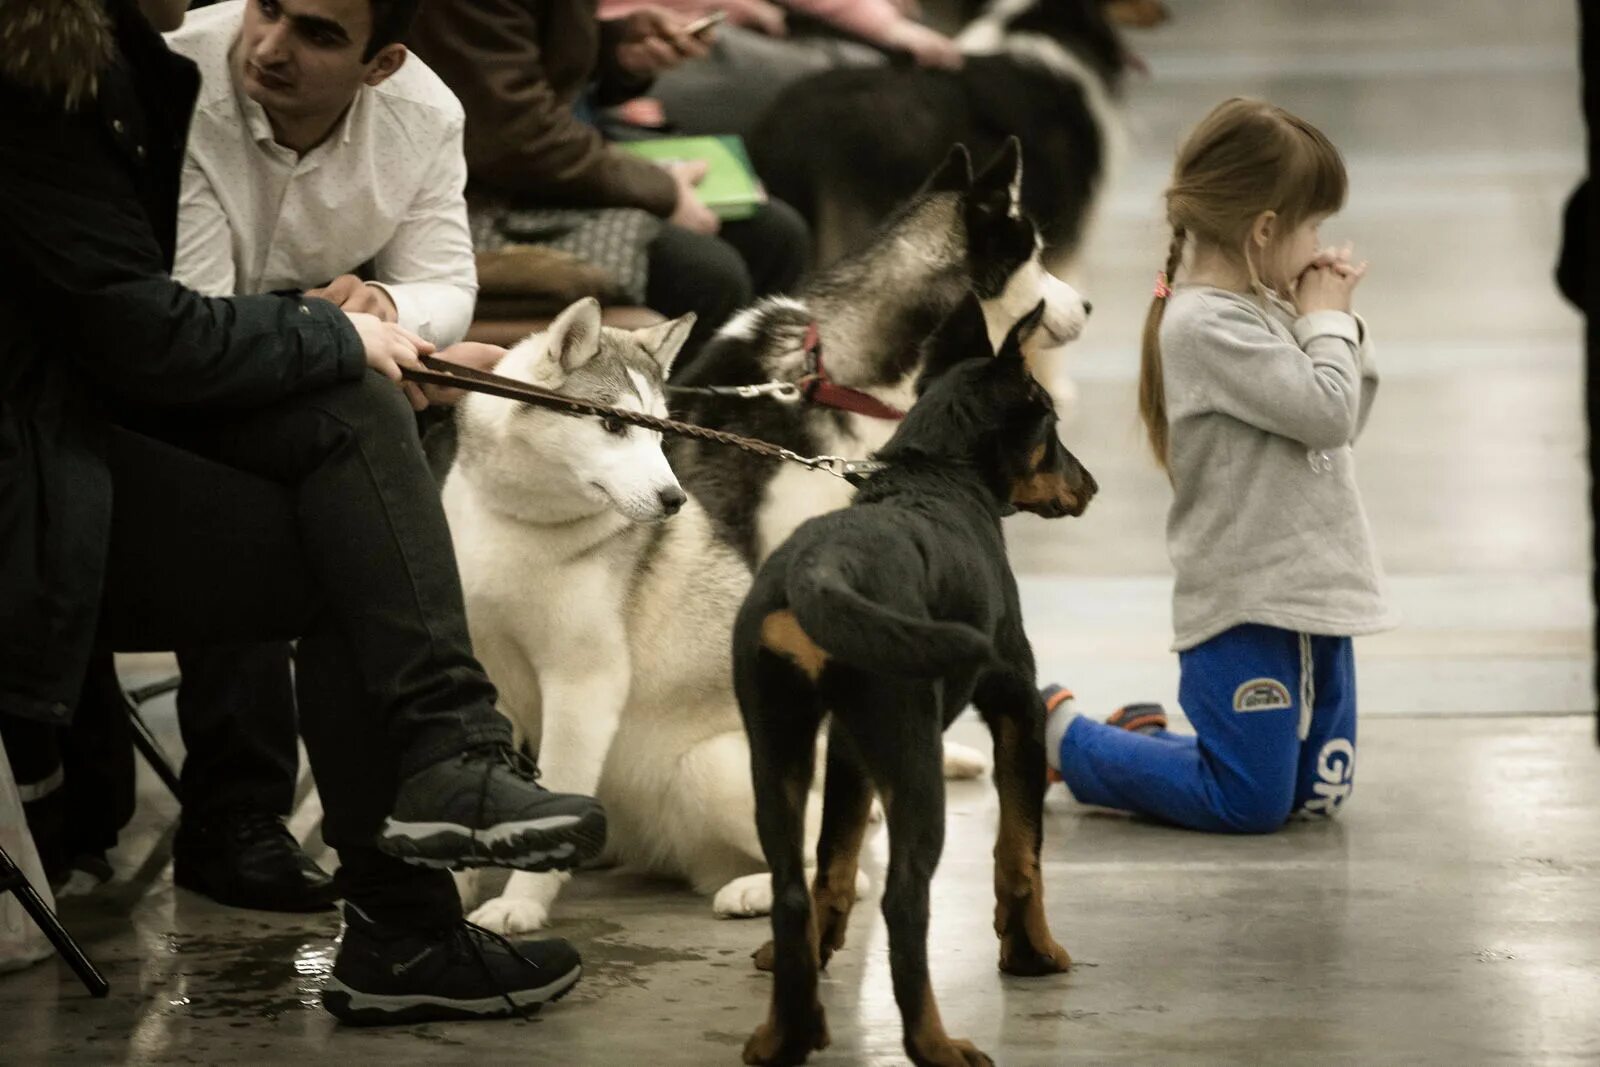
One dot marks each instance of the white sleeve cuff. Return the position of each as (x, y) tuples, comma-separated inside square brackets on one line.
[(409, 313), (1342, 324)]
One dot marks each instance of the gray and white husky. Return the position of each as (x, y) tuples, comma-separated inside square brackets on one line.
[(602, 604)]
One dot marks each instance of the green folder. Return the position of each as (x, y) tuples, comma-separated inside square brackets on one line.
[(730, 188)]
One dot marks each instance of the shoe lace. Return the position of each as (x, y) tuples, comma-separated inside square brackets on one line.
[(470, 940), (515, 760)]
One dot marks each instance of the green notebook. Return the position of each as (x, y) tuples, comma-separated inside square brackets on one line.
[(730, 188)]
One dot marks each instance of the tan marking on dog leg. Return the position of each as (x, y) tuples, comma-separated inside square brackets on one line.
[(781, 633), (833, 893), (791, 1030), (1026, 945), (928, 1045)]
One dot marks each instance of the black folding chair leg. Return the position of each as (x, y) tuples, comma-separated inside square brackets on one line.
[(145, 741), (12, 880)]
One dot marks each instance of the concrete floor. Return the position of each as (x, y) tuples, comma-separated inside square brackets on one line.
[(1451, 916)]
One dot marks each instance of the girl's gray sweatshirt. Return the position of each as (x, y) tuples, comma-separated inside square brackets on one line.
[(1266, 524)]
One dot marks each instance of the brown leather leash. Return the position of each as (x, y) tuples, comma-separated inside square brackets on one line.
[(450, 375)]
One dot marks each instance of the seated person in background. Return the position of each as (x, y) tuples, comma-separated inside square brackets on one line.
[(754, 57), (523, 69), (315, 147)]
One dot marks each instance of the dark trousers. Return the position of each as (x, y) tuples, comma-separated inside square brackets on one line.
[(716, 276), (314, 519), (236, 711), (77, 782)]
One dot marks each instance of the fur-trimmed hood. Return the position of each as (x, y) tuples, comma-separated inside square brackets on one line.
[(57, 48)]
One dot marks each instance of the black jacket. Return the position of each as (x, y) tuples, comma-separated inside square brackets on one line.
[(93, 114)]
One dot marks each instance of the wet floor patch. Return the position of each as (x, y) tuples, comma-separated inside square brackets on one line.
[(257, 975)]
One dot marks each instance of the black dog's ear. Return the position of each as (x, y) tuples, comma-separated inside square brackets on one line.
[(1000, 181), (1017, 336), (954, 175), (962, 335)]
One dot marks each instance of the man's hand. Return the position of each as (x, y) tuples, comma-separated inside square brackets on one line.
[(472, 354), (691, 213), (929, 48), (766, 18), (352, 294), (653, 41)]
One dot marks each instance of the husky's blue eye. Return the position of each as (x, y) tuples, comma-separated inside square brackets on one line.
[(614, 425)]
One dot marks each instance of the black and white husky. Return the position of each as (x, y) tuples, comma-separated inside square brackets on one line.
[(846, 146), (852, 339)]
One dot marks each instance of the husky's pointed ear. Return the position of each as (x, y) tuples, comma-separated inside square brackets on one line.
[(665, 340), (962, 335), (1017, 336), (954, 175), (573, 338), (1003, 174)]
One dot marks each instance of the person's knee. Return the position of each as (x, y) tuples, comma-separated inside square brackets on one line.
[(694, 272), (723, 278), (1258, 812), (777, 247), (369, 404)]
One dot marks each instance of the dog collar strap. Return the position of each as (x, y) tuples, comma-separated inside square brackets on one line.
[(823, 392)]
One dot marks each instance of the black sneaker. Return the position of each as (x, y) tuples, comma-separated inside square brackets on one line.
[(387, 975), (249, 859), (486, 808)]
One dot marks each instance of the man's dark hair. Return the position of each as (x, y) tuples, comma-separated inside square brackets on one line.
[(391, 21)]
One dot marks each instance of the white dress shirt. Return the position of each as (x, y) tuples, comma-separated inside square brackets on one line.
[(386, 185)]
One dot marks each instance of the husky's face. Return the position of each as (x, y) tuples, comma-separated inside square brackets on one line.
[(569, 467), (1003, 251)]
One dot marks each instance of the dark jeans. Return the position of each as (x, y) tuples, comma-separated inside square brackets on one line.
[(716, 276), (236, 711), (315, 518)]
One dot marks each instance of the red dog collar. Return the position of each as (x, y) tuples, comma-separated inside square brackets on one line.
[(823, 392)]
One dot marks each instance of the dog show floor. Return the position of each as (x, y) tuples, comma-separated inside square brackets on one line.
[(1450, 915)]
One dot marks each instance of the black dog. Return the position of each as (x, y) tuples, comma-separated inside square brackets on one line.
[(845, 146), (890, 615)]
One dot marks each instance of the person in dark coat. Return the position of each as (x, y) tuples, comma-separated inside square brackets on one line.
[(177, 469), (530, 73)]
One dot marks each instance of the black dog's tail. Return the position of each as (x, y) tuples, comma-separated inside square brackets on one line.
[(868, 635)]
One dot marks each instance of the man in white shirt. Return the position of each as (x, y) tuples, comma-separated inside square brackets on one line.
[(312, 153), (317, 147)]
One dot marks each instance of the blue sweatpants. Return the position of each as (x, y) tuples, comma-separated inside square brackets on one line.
[(1274, 714)]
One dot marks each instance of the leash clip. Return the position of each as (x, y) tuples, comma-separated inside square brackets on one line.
[(783, 392), (851, 470)]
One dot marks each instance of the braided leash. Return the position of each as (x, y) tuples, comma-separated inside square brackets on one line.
[(442, 372)]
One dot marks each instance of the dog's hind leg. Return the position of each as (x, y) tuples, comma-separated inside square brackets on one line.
[(898, 727), (846, 807), (1015, 715), (837, 879), (781, 713)]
